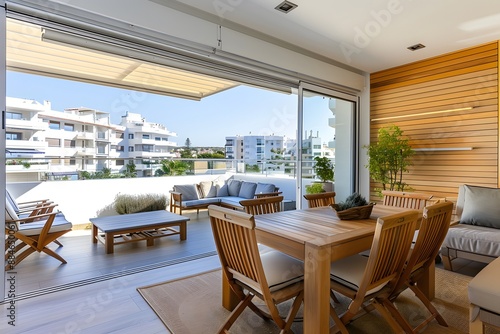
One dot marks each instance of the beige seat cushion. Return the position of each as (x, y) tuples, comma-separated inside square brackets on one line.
[(484, 290)]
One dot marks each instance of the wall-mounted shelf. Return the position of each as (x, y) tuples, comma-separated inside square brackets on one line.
[(436, 149)]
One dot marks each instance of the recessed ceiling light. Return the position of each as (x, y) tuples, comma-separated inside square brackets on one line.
[(416, 47), (286, 6)]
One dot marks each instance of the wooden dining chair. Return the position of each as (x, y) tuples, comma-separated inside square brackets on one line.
[(259, 206), (274, 277), (403, 199), (320, 199), (433, 228), (31, 234), (362, 278)]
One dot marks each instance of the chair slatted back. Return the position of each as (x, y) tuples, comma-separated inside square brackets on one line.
[(236, 242), (262, 205), (320, 199), (409, 200), (433, 228), (391, 244)]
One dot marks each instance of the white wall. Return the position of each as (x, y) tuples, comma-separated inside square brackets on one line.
[(80, 200)]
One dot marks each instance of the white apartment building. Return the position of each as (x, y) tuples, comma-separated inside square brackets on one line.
[(59, 144), (146, 142)]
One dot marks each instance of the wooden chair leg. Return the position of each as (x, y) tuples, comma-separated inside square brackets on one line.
[(235, 314), (435, 313), (388, 317), (58, 243), (338, 323), (50, 252)]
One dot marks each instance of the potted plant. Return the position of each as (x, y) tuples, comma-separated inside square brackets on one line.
[(354, 207), (324, 170), (389, 158)]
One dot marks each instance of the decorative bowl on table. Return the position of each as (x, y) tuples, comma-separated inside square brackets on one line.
[(357, 212)]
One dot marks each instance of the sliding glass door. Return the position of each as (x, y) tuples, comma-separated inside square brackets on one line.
[(327, 128)]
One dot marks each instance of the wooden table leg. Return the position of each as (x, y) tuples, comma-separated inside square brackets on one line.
[(317, 289), (94, 233), (229, 298), (109, 240), (183, 230), (427, 284)]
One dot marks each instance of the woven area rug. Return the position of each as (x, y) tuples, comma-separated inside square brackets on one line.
[(193, 305)]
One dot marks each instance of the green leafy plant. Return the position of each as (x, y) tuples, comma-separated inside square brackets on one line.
[(352, 201), (324, 169), (389, 158), (314, 188)]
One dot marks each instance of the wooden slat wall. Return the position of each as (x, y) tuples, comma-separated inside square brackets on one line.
[(414, 97)]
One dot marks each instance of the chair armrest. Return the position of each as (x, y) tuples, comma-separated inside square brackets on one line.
[(175, 196), (32, 218), (34, 202)]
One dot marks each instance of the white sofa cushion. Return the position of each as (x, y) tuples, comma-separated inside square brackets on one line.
[(473, 239), (484, 290), (188, 191)]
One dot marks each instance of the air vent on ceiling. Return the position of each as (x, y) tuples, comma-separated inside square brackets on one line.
[(286, 6), (416, 47)]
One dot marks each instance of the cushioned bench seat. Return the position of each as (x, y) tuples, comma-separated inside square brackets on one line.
[(484, 296)]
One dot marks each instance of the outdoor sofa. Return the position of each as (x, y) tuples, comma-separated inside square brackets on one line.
[(228, 194), (477, 235)]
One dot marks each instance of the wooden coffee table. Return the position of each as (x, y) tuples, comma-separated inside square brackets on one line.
[(119, 229)]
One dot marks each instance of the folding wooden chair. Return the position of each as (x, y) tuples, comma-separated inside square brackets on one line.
[(31, 233), (363, 278), (262, 205), (433, 228), (320, 199), (409, 200), (273, 276)]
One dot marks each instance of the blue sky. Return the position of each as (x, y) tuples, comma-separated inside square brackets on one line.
[(239, 111)]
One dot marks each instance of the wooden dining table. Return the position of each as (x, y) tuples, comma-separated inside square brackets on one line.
[(318, 237)]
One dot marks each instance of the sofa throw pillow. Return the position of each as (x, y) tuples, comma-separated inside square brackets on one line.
[(188, 191), (264, 188), (233, 187), (247, 190), (207, 189), (481, 206)]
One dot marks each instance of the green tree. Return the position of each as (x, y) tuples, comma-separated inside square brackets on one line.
[(130, 169), (172, 168), (188, 143), (389, 158)]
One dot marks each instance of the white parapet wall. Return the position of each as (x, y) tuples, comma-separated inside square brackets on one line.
[(80, 200)]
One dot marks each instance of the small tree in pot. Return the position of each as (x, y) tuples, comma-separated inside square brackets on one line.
[(324, 170), (389, 158)]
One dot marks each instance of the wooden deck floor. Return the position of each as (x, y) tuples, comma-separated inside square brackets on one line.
[(96, 292)]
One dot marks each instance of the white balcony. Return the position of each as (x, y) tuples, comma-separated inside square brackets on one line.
[(85, 135), (26, 124), (26, 144)]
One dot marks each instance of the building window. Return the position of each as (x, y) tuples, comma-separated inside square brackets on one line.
[(120, 135), (317, 147), (120, 162), (147, 148), (53, 142), (130, 136), (54, 125), (13, 136), (120, 148), (101, 135), (157, 139), (13, 115), (146, 137), (165, 139), (69, 143), (101, 149), (69, 127), (131, 149)]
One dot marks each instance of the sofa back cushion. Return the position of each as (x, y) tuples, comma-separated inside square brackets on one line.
[(233, 187), (479, 205), (188, 191), (247, 190), (265, 188)]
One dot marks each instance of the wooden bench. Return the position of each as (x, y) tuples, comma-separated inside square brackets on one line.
[(119, 229)]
